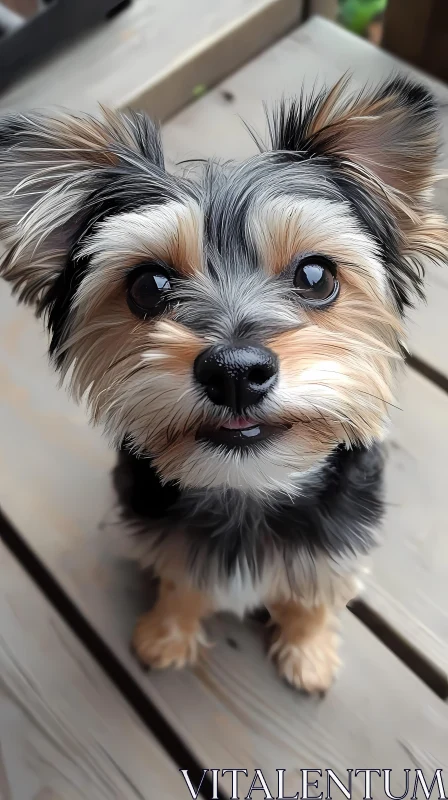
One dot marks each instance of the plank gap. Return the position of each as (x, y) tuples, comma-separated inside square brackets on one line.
[(428, 372), (389, 636), (121, 6), (402, 648), (105, 658)]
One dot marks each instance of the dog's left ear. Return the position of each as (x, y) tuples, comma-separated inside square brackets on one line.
[(381, 149), (391, 134), (57, 176)]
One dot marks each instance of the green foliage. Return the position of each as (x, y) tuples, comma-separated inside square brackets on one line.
[(356, 15)]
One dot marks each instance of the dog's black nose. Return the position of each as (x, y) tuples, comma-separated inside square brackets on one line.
[(236, 376)]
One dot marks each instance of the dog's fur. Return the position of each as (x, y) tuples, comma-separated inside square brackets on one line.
[(82, 202)]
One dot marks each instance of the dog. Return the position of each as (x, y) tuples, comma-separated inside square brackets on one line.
[(237, 329)]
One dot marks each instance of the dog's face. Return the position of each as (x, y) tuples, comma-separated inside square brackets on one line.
[(238, 325)]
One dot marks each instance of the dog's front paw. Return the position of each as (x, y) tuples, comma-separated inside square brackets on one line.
[(167, 642), (310, 665)]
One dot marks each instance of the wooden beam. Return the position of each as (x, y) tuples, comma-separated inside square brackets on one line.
[(65, 731), (417, 31)]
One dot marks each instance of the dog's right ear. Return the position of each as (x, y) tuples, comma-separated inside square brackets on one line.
[(56, 175)]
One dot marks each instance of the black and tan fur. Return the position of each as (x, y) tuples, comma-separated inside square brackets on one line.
[(283, 523)]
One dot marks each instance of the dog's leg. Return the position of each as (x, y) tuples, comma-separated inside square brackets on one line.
[(305, 644), (171, 633)]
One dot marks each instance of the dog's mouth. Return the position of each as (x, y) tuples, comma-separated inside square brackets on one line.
[(239, 432)]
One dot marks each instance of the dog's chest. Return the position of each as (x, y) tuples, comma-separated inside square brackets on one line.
[(240, 595), (243, 550)]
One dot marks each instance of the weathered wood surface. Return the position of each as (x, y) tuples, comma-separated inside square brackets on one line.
[(316, 53), (409, 577), (233, 707), (214, 57), (143, 43), (65, 731)]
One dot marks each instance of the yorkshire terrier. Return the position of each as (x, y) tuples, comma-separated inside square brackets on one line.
[(237, 330)]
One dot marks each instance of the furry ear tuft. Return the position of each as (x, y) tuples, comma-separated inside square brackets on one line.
[(381, 147), (391, 132), (56, 175)]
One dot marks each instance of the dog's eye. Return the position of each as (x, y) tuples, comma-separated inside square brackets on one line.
[(315, 280), (148, 286)]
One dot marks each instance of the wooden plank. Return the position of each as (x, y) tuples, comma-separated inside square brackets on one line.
[(214, 58), (123, 56), (232, 709), (418, 32), (325, 8), (405, 28), (408, 583), (317, 53), (29, 41), (65, 732)]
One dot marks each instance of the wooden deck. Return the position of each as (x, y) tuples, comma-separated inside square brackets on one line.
[(78, 717)]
